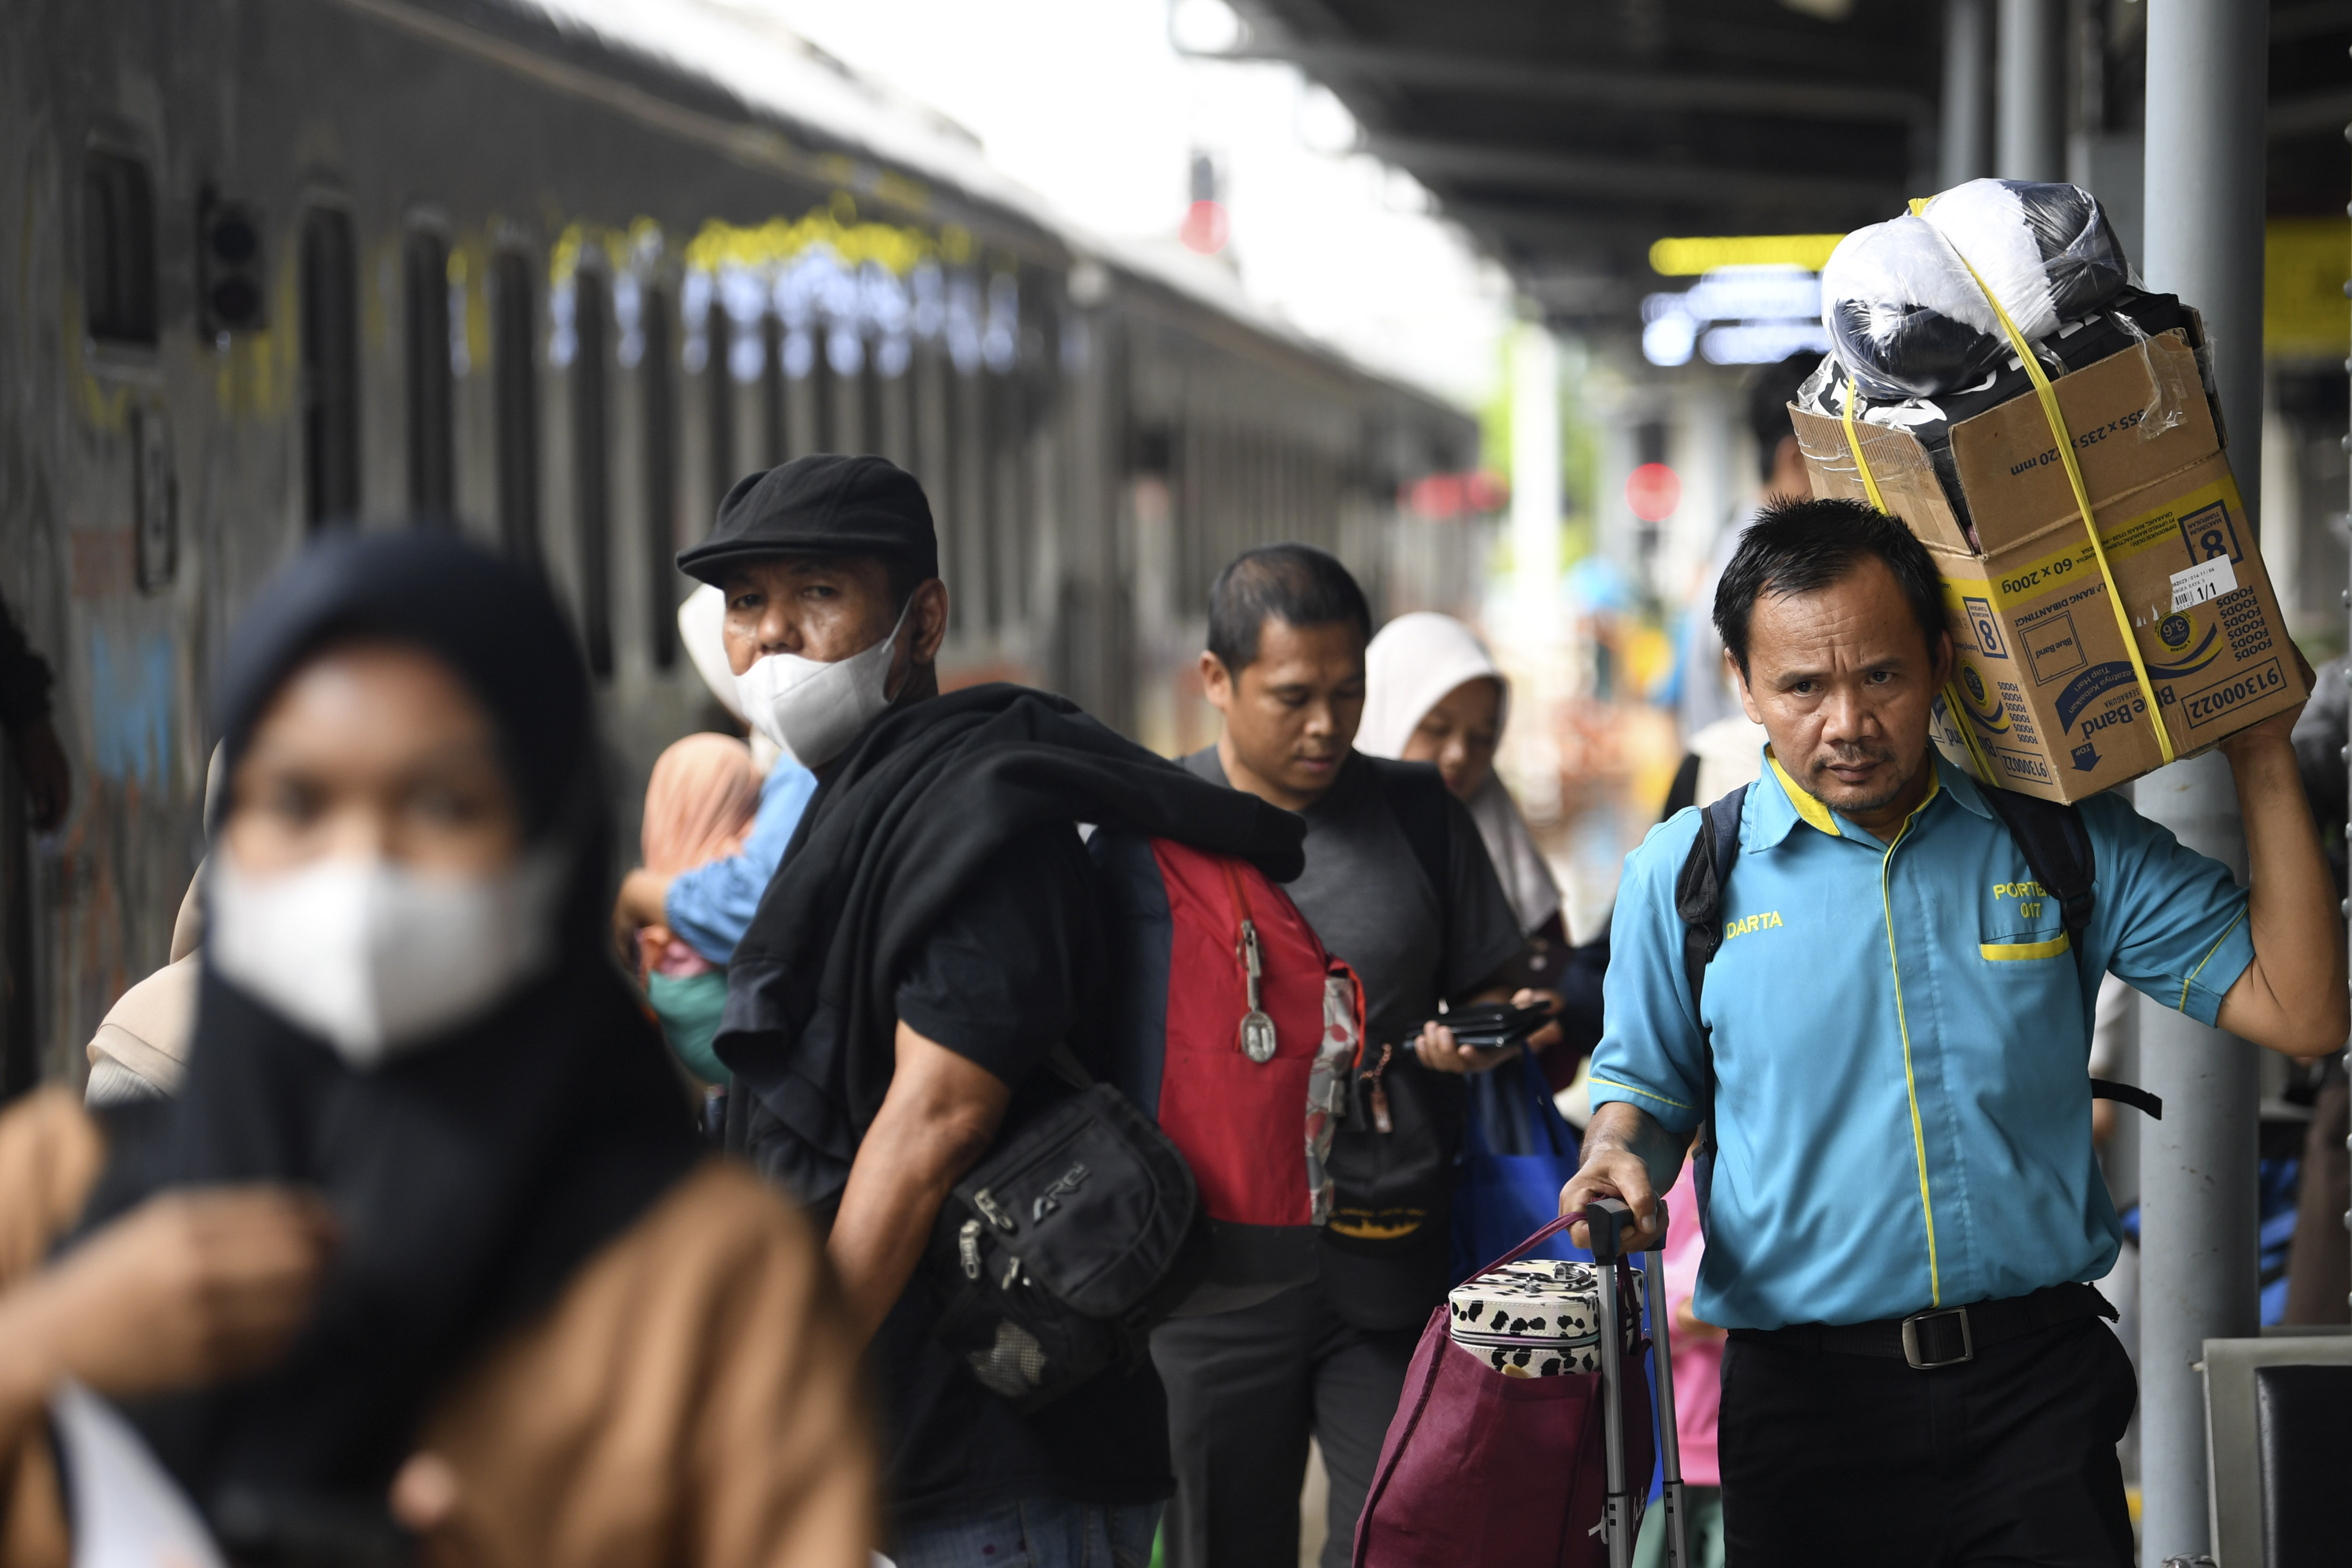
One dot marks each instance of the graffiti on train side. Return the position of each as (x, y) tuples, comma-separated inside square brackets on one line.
[(133, 684), (835, 228)]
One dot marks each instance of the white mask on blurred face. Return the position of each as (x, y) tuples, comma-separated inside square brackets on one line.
[(378, 959), (813, 710)]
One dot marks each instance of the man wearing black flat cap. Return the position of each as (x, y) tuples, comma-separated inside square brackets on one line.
[(825, 561), (930, 936)]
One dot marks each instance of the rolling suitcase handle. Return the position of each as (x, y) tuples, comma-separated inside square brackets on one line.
[(1610, 1222)]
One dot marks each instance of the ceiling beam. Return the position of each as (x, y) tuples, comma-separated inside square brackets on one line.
[(1382, 65), (2293, 24), (2310, 112), (1432, 161)]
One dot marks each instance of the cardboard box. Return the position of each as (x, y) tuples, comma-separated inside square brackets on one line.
[(2052, 704)]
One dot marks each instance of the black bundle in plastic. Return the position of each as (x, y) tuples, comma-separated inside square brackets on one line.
[(1908, 319)]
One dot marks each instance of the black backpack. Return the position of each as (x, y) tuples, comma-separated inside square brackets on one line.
[(1391, 1159), (2057, 849)]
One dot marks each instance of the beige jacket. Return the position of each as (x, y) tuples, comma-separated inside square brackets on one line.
[(690, 1398)]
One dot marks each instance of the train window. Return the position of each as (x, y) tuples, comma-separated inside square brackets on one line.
[(118, 251), (591, 309), (718, 403), (514, 392), (331, 367), (658, 420), (432, 471), (968, 479), (772, 390)]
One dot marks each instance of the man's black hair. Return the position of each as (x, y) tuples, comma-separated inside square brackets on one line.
[(1803, 546), (1293, 582), (1769, 393)]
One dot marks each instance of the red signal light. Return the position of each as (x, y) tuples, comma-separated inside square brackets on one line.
[(1653, 490), (1206, 227)]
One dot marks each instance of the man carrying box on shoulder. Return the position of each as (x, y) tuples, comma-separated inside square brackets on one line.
[(1891, 1036)]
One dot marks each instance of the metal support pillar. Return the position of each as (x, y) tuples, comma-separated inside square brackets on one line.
[(2206, 65), (1964, 146), (2032, 139)]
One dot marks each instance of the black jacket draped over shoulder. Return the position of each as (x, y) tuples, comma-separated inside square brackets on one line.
[(894, 833)]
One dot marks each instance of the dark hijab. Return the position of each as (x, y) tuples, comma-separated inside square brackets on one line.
[(471, 1177)]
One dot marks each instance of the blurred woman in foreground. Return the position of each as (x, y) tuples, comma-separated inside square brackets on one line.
[(546, 1328)]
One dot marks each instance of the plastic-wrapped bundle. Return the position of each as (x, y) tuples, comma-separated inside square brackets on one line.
[(2126, 316), (2045, 250), (1905, 317)]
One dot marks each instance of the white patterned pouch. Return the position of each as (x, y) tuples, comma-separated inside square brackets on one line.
[(1533, 1318)]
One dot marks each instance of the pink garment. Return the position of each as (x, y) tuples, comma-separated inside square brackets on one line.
[(1698, 1362), (700, 805)]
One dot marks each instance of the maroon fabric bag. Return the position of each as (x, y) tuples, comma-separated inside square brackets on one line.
[(1481, 1470)]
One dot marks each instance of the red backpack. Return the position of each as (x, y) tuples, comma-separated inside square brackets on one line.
[(1247, 1086)]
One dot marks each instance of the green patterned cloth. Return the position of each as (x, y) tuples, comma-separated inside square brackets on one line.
[(688, 1007)]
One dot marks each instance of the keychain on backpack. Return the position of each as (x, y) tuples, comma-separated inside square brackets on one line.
[(1257, 1029)]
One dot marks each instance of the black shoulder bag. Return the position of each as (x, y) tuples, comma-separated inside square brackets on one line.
[(1073, 1238), (2057, 850)]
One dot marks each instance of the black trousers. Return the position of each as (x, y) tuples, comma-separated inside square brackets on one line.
[(1244, 1390), (2007, 1459)]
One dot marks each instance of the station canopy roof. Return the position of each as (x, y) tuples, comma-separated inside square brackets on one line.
[(1571, 137), (1568, 136)]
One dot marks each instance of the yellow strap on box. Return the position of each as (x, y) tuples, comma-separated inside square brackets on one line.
[(1870, 486), (2052, 413)]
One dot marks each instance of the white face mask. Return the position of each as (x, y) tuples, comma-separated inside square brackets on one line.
[(813, 710), (378, 959)]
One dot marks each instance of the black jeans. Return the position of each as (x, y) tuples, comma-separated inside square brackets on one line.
[(1244, 1390), (2007, 1459)]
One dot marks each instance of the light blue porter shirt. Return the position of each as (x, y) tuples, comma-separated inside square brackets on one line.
[(1901, 1042)]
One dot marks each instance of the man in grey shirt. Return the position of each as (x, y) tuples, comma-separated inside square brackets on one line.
[(1398, 884)]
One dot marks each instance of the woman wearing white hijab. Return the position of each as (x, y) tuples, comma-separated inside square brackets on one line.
[(1433, 694)]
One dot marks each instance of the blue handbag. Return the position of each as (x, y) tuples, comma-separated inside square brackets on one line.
[(1517, 1152)]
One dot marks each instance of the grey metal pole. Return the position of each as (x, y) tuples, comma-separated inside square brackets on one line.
[(1963, 150), (2032, 139), (2207, 74)]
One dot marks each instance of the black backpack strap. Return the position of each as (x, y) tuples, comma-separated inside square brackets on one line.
[(2057, 849), (1698, 902), (1698, 891), (1417, 799), (2138, 1099)]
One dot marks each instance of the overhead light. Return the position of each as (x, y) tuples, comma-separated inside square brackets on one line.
[(1736, 315), (1689, 257), (1203, 27), (1668, 338), (1323, 123)]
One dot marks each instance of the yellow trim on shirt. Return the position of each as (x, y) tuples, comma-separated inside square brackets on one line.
[(1645, 1094), (1811, 809), (2004, 952), (1910, 1085), (2205, 960)]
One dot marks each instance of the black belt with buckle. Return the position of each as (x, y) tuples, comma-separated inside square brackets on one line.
[(1947, 1336)]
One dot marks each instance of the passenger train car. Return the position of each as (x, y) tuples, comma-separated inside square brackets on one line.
[(281, 265)]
